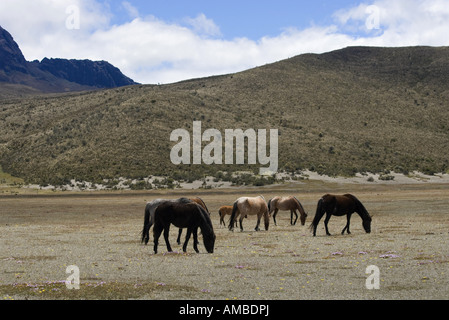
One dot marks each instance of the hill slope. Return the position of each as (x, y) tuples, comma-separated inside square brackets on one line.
[(352, 110)]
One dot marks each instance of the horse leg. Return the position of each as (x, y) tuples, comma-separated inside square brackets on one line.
[(195, 240), (179, 236), (346, 228), (240, 220), (274, 216), (293, 223), (266, 221), (316, 221), (166, 234), (258, 222), (326, 221), (186, 241), (157, 230)]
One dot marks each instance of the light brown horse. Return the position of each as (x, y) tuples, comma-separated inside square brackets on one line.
[(249, 207), (223, 212), (285, 204)]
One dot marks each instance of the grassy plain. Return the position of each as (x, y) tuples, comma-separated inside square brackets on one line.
[(99, 233)]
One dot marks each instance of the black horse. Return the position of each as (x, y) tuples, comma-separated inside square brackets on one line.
[(201, 203), (150, 209), (183, 213), (340, 206)]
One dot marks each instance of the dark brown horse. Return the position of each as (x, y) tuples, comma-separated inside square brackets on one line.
[(287, 204), (183, 213), (200, 202), (339, 206), (151, 207)]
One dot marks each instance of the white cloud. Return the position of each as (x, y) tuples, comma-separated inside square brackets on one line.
[(130, 9), (202, 25), (402, 22), (150, 50)]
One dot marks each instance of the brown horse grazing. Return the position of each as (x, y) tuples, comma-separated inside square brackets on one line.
[(200, 202), (151, 207), (285, 204), (248, 207), (223, 212), (340, 206), (183, 213)]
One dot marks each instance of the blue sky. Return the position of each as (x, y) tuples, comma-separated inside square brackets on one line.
[(173, 40), (236, 18)]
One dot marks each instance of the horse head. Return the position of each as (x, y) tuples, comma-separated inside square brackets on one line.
[(367, 223)]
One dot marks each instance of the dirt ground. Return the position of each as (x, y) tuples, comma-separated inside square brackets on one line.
[(100, 234)]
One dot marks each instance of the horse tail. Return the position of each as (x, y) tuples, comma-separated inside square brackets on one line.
[(318, 214), (146, 225), (233, 215), (269, 205), (267, 218)]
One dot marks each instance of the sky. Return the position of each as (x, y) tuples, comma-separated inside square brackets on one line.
[(172, 40)]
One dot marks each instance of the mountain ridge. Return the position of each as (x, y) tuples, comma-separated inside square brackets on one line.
[(19, 77)]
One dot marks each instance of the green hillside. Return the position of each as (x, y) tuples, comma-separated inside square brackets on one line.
[(352, 110)]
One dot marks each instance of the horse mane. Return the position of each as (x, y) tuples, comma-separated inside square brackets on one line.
[(300, 205), (360, 206), (206, 218), (205, 207), (182, 200)]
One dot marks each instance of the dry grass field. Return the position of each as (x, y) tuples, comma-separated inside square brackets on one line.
[(99, 233)]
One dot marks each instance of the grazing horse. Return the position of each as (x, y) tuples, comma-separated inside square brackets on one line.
[(223, 212), (249, 207), (183, 213), (150, 208), (200, 202), (285, 204), (340, 206)]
